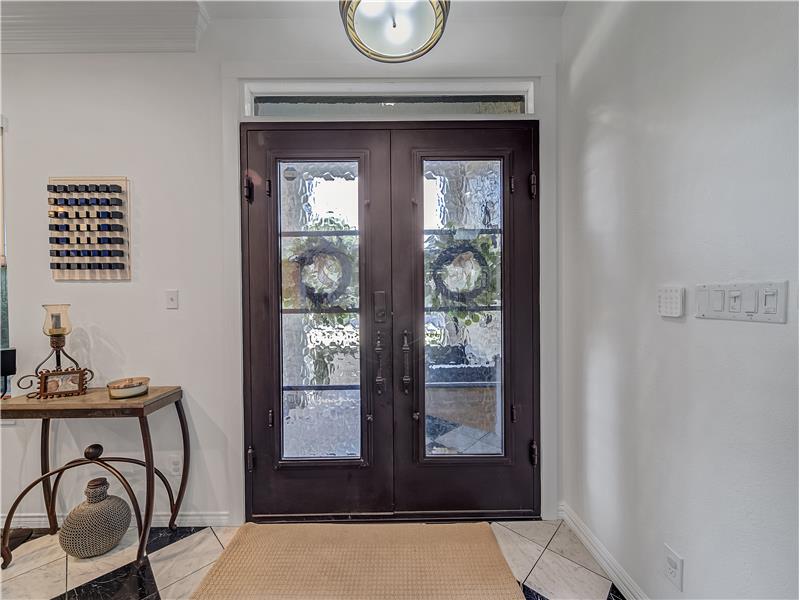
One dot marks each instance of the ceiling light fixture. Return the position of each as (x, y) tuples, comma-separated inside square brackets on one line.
[(394, 31)]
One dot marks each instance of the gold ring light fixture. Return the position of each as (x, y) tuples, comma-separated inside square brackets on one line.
[(394, 31)]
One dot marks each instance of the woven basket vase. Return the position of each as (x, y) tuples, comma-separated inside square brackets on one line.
[(97, 525)]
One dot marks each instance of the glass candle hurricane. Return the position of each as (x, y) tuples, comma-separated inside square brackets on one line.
[(56, 319)]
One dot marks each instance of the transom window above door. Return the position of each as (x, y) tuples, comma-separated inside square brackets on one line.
[(360, 107)]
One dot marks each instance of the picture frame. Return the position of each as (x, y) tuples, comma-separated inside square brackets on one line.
[(62, 383)]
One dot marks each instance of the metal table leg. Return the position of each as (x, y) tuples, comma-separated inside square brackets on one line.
[(185, 471), (46, 490), (150, 487)]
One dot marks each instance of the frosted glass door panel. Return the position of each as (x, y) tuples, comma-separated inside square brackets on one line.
[(320, 300), (463, 245)]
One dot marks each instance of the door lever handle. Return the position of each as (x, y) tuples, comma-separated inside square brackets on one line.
[(380, 381), (406, 379)]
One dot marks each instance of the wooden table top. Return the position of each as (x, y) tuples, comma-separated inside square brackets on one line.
[(95, 403)]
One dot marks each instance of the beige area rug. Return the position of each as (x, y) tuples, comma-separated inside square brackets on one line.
[(408, 561)]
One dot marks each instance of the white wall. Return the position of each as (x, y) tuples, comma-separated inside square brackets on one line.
[(155, 119), (678, 163), (168, 122)]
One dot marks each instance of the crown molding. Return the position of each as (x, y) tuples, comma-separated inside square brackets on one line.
[(99, 27)]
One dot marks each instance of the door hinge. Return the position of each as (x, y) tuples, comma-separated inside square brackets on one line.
[(271, 418), (512, 183), (268, 187), (513, 413), (532, 182), (251, 459), (247, 188), (533, 449)]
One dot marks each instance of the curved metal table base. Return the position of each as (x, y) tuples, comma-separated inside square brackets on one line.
[(143, 524)]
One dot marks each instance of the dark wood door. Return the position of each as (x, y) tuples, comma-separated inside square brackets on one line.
[(464, 274), (391, 319), (316, 247)]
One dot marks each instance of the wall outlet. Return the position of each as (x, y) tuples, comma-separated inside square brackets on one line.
[(673, 567), (175, 464)]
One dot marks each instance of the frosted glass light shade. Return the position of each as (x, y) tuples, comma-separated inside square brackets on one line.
[(394, 30), (56, 319)]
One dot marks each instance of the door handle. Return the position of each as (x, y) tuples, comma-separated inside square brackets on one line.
[(406, 349), (380, 381)]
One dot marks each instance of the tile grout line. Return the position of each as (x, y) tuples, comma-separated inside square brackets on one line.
[(527, 538), (542, 554), (182, 578), (214, 533), (216, 536), (33, 568), (581, 566), (573, 561), (522, 583), (49, 562)]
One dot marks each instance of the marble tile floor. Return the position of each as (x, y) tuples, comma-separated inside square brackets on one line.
[(546, 558)]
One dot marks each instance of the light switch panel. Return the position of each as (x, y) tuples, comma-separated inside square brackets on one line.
[(670, 301), (759, 301)]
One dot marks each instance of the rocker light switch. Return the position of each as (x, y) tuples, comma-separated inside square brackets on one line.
[(770, 301), (750, 300), (717, 300), (735, 301)]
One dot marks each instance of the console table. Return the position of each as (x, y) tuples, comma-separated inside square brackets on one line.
[(95, 404)]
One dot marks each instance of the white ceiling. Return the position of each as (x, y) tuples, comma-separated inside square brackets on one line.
[(36, 26)]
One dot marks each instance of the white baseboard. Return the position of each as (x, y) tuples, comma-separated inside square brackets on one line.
[(618, 575), (160, 519)]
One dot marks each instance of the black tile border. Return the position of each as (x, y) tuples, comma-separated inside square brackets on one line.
[(128, 582), (161, 537), (615, 594), (530, 594)]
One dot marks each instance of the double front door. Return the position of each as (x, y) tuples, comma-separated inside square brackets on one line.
[(390, 288)]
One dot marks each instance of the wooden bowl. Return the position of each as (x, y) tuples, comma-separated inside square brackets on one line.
[(128, 387)]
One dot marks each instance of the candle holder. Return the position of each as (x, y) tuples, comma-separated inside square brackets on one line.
[(60, 381)]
